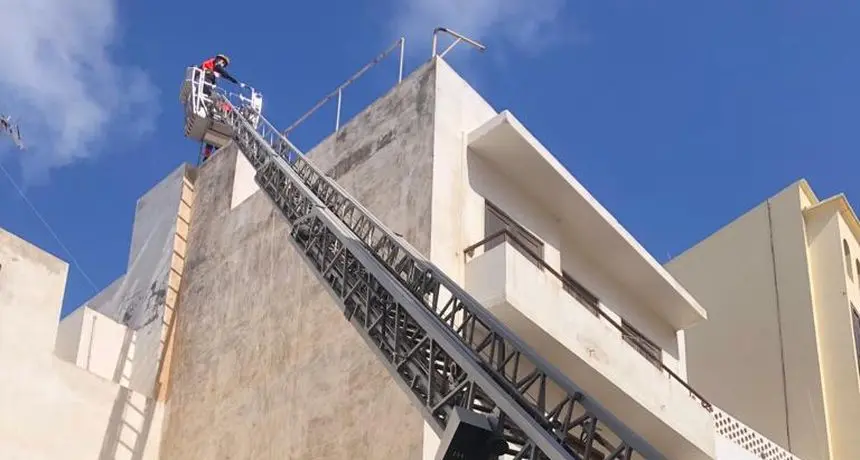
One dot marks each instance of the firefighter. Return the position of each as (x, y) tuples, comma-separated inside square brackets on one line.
[(216, 67), (212, 69)]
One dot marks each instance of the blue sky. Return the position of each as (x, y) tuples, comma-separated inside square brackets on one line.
[(678, 118)]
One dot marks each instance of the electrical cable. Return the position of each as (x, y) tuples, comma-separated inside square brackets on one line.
[(48, 226)]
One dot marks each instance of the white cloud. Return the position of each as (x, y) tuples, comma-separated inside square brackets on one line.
[(527, 25), (58, 77)]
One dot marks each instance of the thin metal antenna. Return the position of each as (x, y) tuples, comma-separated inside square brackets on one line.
[(11, 129), (458, 38)]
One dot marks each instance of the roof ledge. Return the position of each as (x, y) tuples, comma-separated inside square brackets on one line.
[(510, 148), (838, 204)]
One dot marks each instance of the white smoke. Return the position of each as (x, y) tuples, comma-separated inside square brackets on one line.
[(526, 25), (58, 78)]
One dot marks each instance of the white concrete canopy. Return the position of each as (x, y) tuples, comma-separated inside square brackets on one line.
[(508, 146)]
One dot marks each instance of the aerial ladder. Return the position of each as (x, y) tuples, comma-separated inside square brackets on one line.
[(483, 391)]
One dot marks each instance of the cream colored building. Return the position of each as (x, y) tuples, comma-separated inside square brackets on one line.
[(780, 349), (438, 164), (260, 361), (49, 408)]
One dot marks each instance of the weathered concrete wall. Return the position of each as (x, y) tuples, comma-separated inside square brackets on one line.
[(136, 300), (264, 364), (50, 408)]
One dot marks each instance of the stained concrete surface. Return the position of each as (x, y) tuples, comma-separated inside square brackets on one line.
[(265, 365), (136, 299)]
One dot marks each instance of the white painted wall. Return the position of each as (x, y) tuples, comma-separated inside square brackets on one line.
[(455, 222), (459, 109), (98, 344), (591, 350), (50, 408), (487, 184), (620, 302), (461, 183), (68, 340), (243, 181), (728, 450)]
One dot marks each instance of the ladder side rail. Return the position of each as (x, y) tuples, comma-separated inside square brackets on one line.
[(426, 282), (299, 204), (449, 376), (436, 290)]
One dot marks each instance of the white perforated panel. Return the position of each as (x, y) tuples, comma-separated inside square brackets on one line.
[(744, 436)]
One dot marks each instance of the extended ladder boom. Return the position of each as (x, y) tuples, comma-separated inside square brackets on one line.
[(443, 347)]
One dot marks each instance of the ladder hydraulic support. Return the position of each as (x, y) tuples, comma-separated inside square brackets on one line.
[(445, 349)]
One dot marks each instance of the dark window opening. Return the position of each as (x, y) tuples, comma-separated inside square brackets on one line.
[(496, 220), (857, 265), (645, 347), (847, 252), (856, 324), (579, 292)]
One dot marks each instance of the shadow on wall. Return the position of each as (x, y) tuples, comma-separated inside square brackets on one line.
[(128, 427), (132, 415)]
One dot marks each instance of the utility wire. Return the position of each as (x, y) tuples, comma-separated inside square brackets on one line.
[(48, 226)]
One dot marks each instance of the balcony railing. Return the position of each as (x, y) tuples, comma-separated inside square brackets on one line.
[(509, 236)]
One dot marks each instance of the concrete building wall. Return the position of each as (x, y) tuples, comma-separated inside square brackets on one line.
[(463, 182), (758, 355), (259, 339), (98, 347), (621, 303), (803, 386), (129, 351), (834, 295), (740, 338), (68, 338), (459, 109), (260, 344), (457, 217), (728, 450), (51, 409), (486, 184)]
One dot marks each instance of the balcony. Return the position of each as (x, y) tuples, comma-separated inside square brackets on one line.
[(608, 358), (508, 147)]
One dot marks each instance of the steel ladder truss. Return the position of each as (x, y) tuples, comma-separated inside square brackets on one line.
[(443, 347)]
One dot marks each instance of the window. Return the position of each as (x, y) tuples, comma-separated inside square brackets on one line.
[(847, 252), (855, 317), (645, 347), (496, 220), (857, 265), (580, 293)]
